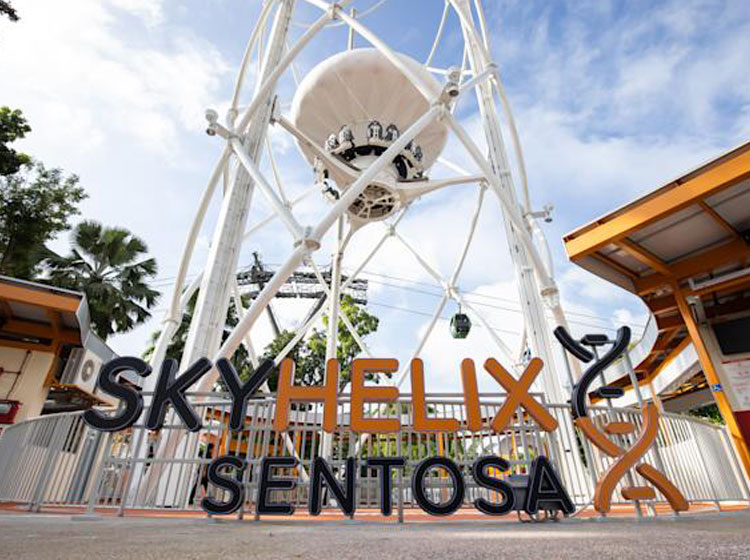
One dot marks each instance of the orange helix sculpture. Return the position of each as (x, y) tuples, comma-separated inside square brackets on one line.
[(625, 458)]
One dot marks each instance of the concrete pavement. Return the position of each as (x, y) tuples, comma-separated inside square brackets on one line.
[(48, 536)]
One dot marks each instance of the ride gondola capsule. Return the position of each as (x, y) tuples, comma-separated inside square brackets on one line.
[(460, 325)]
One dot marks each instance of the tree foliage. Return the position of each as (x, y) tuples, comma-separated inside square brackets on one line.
[(107, 264), (13, 126), (37, 205), (240, 359), (710, 412), (310, 353), (110, 266), (7, 10)]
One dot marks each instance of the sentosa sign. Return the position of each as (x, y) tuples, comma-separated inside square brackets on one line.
[(543, 488)]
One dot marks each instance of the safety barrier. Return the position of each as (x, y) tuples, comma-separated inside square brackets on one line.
[(59, 460)]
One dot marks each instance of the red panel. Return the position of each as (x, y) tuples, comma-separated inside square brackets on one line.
[(10, 415), (743, 420)]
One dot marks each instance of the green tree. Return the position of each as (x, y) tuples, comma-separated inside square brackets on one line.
[(7, 10), (110, 266), (309, 354), (13, 126), (37, 204), (240, 359), (710, 412)]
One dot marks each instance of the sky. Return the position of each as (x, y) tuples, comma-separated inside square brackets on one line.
[(612, 99)]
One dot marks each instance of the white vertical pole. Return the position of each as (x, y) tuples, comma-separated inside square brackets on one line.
[(333, 318), (350, 38), (213, 298), (533, 309), (209, 317)]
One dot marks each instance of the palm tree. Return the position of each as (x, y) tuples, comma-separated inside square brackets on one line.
[(108, 265)]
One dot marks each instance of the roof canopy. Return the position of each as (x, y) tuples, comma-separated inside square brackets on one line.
[(690, 236)]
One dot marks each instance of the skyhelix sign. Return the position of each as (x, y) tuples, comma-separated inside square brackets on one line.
[(542, 489)]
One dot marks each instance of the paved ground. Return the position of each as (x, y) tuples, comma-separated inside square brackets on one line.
[(45, 536)]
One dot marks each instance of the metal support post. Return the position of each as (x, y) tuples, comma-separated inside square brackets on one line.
[(59, 435), (709, 477), (96, 488), (209, 317), (533, 309), (332, 336)]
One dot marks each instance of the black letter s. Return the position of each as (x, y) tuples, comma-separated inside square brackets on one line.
[(483, 479), (107, 382), (232, 485)]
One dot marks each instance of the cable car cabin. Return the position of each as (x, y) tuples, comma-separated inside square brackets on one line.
[(460, 325)]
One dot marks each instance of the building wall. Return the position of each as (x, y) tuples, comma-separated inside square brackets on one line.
[(737, 390), (734, 393), (29, 389)]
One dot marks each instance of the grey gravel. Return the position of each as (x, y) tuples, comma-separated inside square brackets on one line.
[(44, 536)]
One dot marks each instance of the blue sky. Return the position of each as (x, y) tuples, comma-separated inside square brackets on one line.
[(612, 99)]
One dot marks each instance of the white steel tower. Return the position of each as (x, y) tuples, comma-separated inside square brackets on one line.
[(371, 153)]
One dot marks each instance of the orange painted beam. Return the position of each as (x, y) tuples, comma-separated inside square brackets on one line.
[(643, 255), (39, 330), (665, 340), (671, 355), (622, 269), (661, 304), (5, 308), (663, 203), (729, 228), (712, 377), (23, 345), (669, 323), (660, 347), (49, 379), (58, 302), (736, 250)]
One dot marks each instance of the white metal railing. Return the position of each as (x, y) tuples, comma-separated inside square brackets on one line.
[(59, 460)]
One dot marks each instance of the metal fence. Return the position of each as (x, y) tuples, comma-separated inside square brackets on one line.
[(59, 460)]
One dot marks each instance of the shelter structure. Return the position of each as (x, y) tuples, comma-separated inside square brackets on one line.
[(684, 249), (49, 357)]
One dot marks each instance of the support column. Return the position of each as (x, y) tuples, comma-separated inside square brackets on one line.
[(333, 319), (209, 317), (533, 309), (711, 367)]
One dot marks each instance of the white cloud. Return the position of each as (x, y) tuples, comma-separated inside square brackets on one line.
[(567, 165), (80, 78), (117, 97), (576, 282), (623, 316), (607, 106), (151, 11), (648, 74)]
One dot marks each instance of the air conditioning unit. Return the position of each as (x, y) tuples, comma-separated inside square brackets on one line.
[(82, 370)]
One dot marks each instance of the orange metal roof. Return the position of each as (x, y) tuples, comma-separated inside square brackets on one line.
[(692, 234)]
